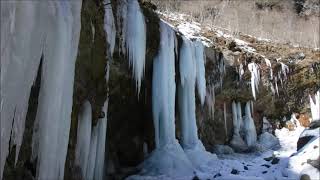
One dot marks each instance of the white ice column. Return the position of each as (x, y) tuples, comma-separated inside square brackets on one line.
[(133, 37), (83, 137), (249, 127), (315, 106)]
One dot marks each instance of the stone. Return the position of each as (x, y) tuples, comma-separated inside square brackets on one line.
[(268, 140), (234, 171), (275, 161), (222, 149), (238, 145), (305, 177)]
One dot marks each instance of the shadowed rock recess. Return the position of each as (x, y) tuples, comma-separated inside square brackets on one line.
[(130, 134)]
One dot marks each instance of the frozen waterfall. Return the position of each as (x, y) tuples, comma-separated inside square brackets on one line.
[(200, 64), (255, 78), (83, 137), (134, 37), (249, 127), (168, 157), (90, 149), (192, 146), (29, 30), (22, 31), (109, 26), (315, 106)]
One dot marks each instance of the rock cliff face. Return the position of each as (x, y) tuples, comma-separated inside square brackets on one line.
[(130, 126)]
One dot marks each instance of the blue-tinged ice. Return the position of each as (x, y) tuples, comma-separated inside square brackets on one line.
[(101, 143), (83, 137), (191, 144), (22, 35), (249, 127), (168, 157), (315, 106), (200, 64), (255, 78), (109, 27), (28, 31), (133, 37)]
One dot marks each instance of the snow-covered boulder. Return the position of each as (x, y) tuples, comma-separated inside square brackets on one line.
[(268, 140), (313, 131), (222, 149)]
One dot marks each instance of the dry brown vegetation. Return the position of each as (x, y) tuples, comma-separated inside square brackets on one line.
[(277, 20)]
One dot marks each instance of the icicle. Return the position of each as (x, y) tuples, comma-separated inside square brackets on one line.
[(93, 153), (249, 127), (168, 157), (24, 26), (101, 143), (134, 38), (21, 41), (164, 88), (255, 77), (109, 26), (236, 128), (241, 71), (55, 96), (83, 137), (192, 146), (315, 106), (187, 95), (239, 116), (200, 63)]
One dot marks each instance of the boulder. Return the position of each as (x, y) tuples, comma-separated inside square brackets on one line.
[(222, 149), (268, 140), (309, 133)]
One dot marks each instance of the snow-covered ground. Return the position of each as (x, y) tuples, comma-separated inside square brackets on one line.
[(280, 162)]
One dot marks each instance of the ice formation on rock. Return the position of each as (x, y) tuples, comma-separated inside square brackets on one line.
[(186, 95), (90, 149), (29, 30), (168, 157), (21, 46), (101, 143), (200, 64), (255, 77), (93, 153), (164, 88), (55, 97), (236, 121), (109, 26), (134, 37), (315, 106), (83, 137), (237, 141), (249, 127), (192, 146)]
